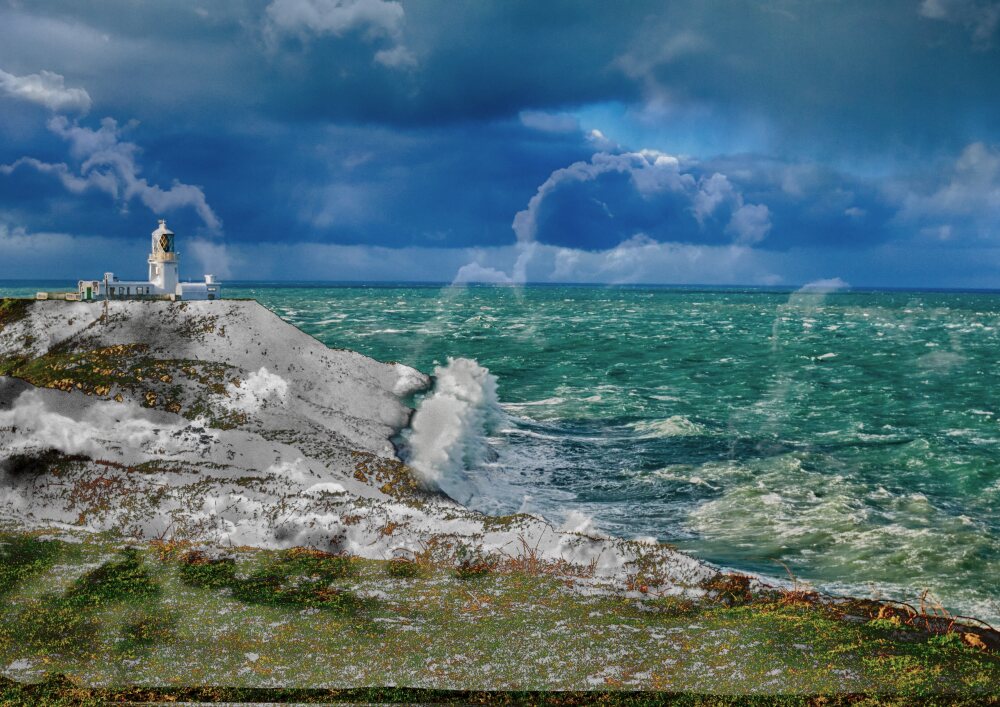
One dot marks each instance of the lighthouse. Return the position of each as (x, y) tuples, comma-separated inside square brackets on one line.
[(162, 283), (163, 260)]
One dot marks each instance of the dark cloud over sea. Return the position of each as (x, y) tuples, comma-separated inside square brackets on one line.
[(757, 142)]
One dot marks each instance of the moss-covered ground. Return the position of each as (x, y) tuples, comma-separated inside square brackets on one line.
[(171, 617), (126, 371), (12, 310)]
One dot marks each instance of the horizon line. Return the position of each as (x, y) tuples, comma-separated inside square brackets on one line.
[(846, 289)]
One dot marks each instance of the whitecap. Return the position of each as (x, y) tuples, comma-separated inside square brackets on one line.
[(532, 403), (673, 426)]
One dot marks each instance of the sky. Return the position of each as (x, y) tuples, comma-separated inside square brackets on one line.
[(754, 142)]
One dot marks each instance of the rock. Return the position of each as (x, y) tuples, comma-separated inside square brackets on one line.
[(230, 427)]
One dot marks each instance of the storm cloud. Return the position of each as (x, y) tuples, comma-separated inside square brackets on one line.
[(739, 135)]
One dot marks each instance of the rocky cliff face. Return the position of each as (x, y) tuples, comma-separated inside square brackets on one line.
[(218, 423)]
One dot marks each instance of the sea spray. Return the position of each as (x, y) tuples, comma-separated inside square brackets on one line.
[(447, 436)]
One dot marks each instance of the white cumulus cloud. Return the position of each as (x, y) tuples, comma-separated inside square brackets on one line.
[(475, 272), (45, 88), (398, 57), (750, 223), (968, 199), (109, 164), (654, 174)]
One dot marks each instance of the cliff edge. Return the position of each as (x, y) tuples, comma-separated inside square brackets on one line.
[(218, 423)]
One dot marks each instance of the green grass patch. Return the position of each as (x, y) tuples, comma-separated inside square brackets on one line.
[(124, 579), (13, 310), (145, 630), (23, 557), (69, 622), (401, 568), (128, 368), (303, 618), (199, 570), (300, 577)]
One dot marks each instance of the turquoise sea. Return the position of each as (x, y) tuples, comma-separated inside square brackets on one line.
[(851, 436)]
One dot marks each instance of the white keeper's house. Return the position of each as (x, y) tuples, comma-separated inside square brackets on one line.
[(163, 283)]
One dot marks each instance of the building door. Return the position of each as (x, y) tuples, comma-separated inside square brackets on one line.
[(88, 293)]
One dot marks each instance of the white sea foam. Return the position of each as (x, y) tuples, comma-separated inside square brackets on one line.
[(534, 403), (529, 433), (673, 426), (448, 434), (579, 522), (409, 381)]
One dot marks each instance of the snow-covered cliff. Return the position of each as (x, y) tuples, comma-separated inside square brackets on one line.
[(219, 423)]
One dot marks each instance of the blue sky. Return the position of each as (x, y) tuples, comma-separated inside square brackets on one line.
[(772, 142)]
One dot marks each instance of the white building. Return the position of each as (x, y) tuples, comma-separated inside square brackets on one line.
[(163, 283)]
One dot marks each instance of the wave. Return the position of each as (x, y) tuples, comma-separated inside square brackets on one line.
[(534, 403), (673, 426), (448, 434)]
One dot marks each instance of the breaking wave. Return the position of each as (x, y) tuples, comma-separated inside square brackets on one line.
[(448, 433)]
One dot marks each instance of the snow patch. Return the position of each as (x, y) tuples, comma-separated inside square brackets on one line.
[(258, 390), (41, 427)]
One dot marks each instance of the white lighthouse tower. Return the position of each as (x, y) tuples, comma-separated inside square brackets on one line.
[(163, 260)]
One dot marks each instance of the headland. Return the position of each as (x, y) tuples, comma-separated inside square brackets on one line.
[(219, 490)]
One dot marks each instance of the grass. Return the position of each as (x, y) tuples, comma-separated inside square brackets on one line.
[(123, 579), (22, 557), (129, 369), (175, 617), (13, 310), (199, 570)]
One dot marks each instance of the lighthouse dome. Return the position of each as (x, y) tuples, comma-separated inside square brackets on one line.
[(162, 229)]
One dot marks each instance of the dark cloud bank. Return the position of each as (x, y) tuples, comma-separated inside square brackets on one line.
[(732, 142)]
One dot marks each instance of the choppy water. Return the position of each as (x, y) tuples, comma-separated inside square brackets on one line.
[(854, 437)]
